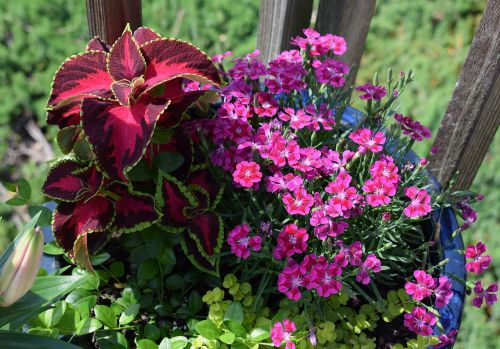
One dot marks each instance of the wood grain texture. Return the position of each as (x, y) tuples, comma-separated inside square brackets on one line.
[(473, 115), (279, 21), (351, 20), (107, 18)]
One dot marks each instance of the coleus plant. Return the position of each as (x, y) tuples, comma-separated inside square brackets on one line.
[(108, 102)]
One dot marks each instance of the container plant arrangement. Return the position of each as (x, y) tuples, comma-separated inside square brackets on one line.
[(204, 207)]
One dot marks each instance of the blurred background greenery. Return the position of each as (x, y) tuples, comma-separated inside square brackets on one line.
[(430, 37)]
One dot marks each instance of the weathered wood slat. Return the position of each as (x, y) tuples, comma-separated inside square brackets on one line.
[(351, 20), (473, 115), (279, 21), (107, 18)]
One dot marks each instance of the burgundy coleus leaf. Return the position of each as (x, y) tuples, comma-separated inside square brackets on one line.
[(208, 229), (145, 34), (96, 44), (66, 115), (202, 262), (122, 91), (85, 245), (125, 61), (72, 219), (173, 198), (204, 179), (167, 59), (133, 211), (120, 134), (71, 181), (180, 101), (79, 76)]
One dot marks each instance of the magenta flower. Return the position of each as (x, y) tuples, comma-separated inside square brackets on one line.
[(367, 141), (265, 104), (291, 240), (386, 216), (379, 191), (386, 170), (282, 151), (241, 243), (249, 67), (300, 204), (424, 286), (349, 254), (247, 174), (278, 182), (322, 278), (290, 279), (298, 119), (481, 294), (479, 263), (419, 206), (468, 214), (330, 72), (420, 321), (286, 73), (411, 128), (343, 195), (443, 292), (324, 226), (446, 339), (372, 263), (220, 57), (371, 92), (283, 332)]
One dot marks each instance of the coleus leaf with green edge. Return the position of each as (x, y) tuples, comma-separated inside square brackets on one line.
[(69, 180), (87, 212), (115, 93), (120, 134), (186, 209)]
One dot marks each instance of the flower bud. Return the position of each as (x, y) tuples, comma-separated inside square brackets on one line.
[(20, 270)]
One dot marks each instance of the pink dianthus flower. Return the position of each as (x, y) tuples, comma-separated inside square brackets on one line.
[(479, 263), (367, 140), (488, 294), (371, 92), (247, 174), (423, 287), (241, 243), (300, 204), (420, 321), (282, 331), (419, 206)]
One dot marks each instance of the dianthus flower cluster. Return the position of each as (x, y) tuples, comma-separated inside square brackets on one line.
[(310, 187)]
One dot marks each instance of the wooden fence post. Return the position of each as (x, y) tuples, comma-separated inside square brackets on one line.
[(279, 21), (473, 114), (351, 20), (107, 18)]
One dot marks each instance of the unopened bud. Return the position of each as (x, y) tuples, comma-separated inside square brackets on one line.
[(20, 270)]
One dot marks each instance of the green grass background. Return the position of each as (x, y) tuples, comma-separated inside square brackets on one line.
[(430, 37)]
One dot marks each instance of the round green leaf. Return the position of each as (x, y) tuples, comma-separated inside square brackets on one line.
[(227, 337), (146, 344), (87, 325), (105, 315), (129, 314), (207, 329), (234, 312)]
